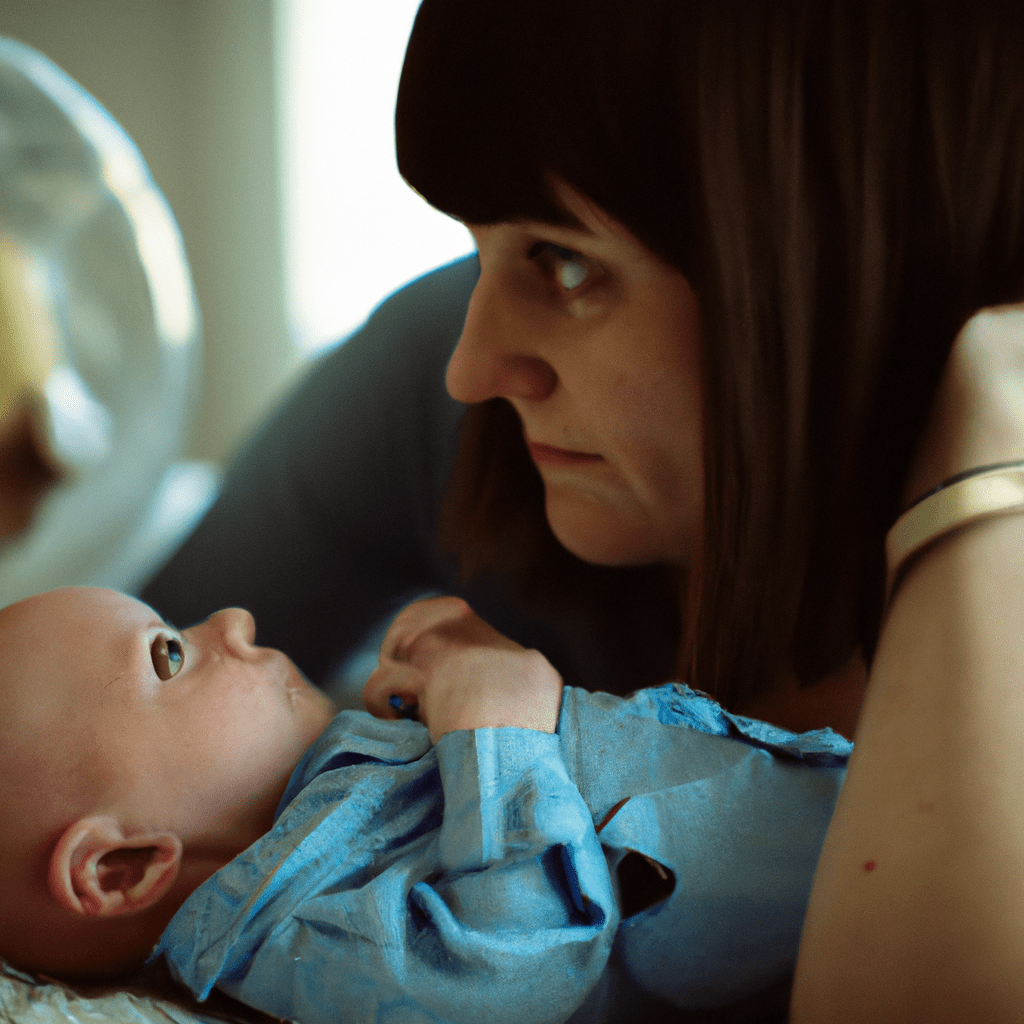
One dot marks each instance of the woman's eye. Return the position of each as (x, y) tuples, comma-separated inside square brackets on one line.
[(569, 268), (168, 656)]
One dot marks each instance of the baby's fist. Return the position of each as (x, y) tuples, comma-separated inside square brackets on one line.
[(461, 673)]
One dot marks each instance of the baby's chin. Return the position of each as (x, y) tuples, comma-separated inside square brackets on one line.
[(314, 706)]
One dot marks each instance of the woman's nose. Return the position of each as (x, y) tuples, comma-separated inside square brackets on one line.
[(493, 357), (237, 629)]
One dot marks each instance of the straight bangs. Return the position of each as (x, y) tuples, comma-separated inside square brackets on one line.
[(497, 98)]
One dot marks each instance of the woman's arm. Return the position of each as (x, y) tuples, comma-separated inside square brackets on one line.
[(917, 911)]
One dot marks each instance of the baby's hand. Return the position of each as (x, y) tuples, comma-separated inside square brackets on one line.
[(460, 673)]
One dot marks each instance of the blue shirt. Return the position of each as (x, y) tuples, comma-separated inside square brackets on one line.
[(480, 879)]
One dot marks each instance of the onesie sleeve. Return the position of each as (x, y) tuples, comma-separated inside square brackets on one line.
[(449, 888), (525, 899), (406, 883)]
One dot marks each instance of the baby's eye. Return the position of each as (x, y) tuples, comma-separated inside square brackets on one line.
[(569, 268), (168, 656)]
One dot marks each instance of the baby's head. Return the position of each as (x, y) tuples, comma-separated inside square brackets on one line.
[(135, 760)]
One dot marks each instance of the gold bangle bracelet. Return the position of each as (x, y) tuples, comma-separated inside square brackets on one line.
[(981, 494)]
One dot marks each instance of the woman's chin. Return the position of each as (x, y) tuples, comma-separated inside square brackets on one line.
[(603, 536)]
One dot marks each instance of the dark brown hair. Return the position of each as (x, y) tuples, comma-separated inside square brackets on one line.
[(842, 182)]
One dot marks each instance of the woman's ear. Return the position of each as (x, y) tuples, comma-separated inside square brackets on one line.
[(98, 871)]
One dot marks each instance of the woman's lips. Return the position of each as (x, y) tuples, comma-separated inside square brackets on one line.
[(548, 455)]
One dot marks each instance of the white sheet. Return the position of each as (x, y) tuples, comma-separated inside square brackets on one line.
[(27, 1000)]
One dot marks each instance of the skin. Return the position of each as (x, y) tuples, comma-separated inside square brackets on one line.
[(919, 885), (133, 774), (234, 719), (933, 801), (461, 673), (595, 343), (171, 777)]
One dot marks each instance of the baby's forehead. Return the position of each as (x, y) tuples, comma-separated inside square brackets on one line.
[(68, 607), (19, 623), (32, 626), (47, 638)]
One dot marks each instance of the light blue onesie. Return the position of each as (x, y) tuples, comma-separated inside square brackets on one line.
[(481, 879)]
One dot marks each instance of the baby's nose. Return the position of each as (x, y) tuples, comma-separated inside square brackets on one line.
[(238, 628)]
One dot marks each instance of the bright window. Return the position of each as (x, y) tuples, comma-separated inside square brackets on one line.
[(354, 231)]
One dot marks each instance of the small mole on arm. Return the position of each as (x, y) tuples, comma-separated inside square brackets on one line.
[(869, 865)]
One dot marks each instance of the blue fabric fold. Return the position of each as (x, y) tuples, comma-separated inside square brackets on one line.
[(467, 882)]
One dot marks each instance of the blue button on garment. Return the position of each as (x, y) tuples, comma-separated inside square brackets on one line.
[(468, 882)]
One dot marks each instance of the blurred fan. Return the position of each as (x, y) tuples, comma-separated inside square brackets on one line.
[(99, 345)]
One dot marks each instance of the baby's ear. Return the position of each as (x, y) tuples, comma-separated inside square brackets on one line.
[(98, 871)]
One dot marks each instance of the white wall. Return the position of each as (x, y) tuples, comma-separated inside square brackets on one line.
[(354, 231)]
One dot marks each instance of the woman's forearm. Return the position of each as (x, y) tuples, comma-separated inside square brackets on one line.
[(917, 911)]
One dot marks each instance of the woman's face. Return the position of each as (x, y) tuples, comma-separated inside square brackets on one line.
[(595, 342)]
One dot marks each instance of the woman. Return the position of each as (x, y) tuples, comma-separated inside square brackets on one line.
[(725, 251)]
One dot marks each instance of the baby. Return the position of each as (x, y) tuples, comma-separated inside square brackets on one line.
[(191, 791), (137, 760)]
